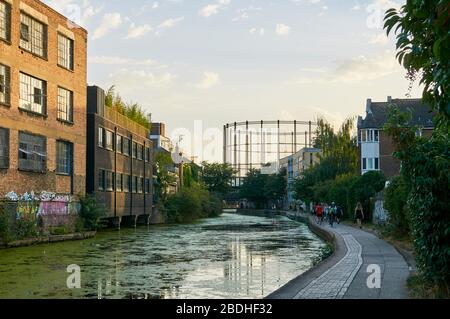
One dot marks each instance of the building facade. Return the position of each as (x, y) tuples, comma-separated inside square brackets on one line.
[(295, 164), (119, 160), (42, 100), (376, 148)]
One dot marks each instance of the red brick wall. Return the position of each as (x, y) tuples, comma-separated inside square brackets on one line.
[(15, 120)]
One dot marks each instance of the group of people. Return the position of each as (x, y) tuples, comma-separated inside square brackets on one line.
[(333, 213)]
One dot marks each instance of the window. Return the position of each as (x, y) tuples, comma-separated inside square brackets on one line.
[(65, 105), (419, 133), (32, 152), (5, 21), (33, 35), (134, 183), (147, 154), (119, 180), (126, 183), (65, 52), (109, 181), (33, 94), (64, 157), (377, 135), (4, 148), (141, 185), (101, 138), (363, 135), (147, 185), (134, 150), (139, 152), (101, 180), (109, 140), (5, 82), (118, 143), (126, 147), (370, 163), (377, 165), (364, 163)]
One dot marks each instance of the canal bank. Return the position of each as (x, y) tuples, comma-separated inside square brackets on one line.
[(362, 266)]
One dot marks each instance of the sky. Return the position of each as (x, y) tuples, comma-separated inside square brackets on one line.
[(221, 61)]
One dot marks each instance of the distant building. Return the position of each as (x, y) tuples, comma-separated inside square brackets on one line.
[(295, 164), (42, 100), (161, 143), (119, 160), (375, 146)]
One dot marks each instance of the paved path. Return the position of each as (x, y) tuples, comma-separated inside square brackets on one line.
[(345, 274)]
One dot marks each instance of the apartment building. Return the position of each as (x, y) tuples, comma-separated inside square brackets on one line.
[(42, 100), (295, 164), (376, 148), (119, 160)]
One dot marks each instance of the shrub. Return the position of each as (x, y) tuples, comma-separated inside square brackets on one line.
[(6, 231), (91, 212), (395, 201)]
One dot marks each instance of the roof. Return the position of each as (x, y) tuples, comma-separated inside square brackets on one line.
[(377, 113)]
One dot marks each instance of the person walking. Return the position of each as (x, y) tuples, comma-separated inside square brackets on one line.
[(359, 214), (319, 213), (339, 214), (332, 214)]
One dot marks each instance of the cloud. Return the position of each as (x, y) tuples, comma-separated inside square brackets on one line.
[(379, 39), (110, 21), (282, 29), (138, 31), (243, 14), (115, 60), (78, 11), (140, 78), (357, 69), (213, 8), (210, 79), (255, 31), (170, 23)]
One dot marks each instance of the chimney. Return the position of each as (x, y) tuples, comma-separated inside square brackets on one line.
[(389, 99), (369, 106)]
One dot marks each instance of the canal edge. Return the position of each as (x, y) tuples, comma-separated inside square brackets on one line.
[(291, 289)]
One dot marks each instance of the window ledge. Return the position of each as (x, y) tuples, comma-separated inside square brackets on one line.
[(66, 122), (33, 54), (5, 104), (31, 171), (64, 68), (33, 112), (63, 174), (8, 42)]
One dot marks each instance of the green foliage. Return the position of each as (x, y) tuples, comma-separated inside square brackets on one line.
[(217, 177), (163, 163), (131, 110), (275, 186), (365, 187), (191, 203), (423, 48), (26, 228), (395, 201), (91, 212), (426, 169), (190, 174), (6, 231), (62, 230)]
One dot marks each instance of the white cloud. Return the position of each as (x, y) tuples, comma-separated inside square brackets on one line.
[(170, 23), (115, 60), (210, 79), (241, 17), (155, 5), (78, 11), (379, 39), (140, 78), (213, 8), (243, 14), (138, 31), (357, 69), (282, 29), (109, 22), (255, 30)]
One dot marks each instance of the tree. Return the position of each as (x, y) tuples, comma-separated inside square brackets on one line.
[(217, 177), (423, 48), (252, 188), (163, 163), (275, 186)]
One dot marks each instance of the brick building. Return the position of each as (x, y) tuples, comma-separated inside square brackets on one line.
[(375, 146), (119, 160), (42, 100)]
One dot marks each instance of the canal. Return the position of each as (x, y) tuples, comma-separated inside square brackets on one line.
[(232, 256)]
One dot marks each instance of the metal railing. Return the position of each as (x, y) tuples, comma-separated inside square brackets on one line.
[(125, 122)]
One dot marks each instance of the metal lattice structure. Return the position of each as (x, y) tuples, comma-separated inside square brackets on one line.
[(256, 144)]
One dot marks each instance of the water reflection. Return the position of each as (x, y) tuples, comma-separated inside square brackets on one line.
[(232, 256)]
